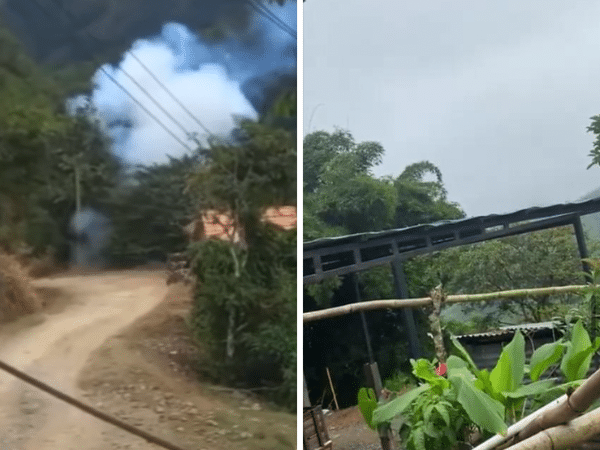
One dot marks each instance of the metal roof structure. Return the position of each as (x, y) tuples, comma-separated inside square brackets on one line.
[(342, 255), (510, 330)]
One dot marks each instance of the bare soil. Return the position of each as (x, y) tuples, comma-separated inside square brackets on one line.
[(118, 341), (348, 430)]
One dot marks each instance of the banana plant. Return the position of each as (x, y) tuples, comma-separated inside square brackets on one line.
[(505, 382), (440, 412), (437, 413)]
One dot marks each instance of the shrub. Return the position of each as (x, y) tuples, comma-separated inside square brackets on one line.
[(245, 311)]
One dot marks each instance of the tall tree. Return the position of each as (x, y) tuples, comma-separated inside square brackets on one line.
[(421, 200), (339, 189)]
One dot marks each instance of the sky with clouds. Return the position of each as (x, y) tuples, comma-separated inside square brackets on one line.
[(497, 94)]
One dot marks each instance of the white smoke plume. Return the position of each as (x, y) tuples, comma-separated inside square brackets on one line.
[(208, 79)]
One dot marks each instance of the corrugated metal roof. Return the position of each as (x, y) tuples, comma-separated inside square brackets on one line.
[(510, 329), (586, 207)]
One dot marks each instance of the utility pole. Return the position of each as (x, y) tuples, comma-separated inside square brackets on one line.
[(77, 190)]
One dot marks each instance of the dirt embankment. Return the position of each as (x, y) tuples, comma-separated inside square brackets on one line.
[(17, 297), (118, 341)]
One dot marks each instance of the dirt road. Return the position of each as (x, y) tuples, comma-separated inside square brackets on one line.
[(82, 346), (55, 346)]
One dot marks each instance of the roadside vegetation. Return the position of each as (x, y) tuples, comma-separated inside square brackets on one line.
[(51, 162)]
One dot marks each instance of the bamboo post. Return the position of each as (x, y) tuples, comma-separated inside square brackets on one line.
[(513, 430), (561, 437), (437, 297), (426, 301), (558, 412), (575, 404), (332, 389)]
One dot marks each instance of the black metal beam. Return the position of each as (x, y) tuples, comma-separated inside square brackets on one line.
[(583, 254), (357, 256), (492, 220)]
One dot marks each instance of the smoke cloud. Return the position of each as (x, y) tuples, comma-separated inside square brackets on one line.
[(92, 233), (217, 82)]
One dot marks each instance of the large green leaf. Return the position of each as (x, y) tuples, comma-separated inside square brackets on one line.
[(483, 382), (509, 371), (465, 355), (577, 365), (443, 412), (454, 363), (531, 389), (577, 359), (367, 402), (544, 357), (385, 413), (423, 369), (483, 410)]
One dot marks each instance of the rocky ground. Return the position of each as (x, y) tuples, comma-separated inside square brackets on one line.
[(157, 388)]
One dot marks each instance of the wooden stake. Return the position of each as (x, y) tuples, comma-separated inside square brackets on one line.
[(332, 390)]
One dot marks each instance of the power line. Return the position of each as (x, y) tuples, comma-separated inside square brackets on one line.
[(143, 89), (123, 88), (271, 16), (268, 14), (144, 108), (166, 89), (170, 93)]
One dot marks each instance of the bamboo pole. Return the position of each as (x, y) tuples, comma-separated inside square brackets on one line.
[(559, 411), (514, 429), (332, 389), (88, 409), (576, 432), (437, 297), (574, 405), (425, 301)]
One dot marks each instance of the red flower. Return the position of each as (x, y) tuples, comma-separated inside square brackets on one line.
[(441, 369)]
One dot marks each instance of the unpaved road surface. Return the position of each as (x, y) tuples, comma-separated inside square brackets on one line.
[(117, 341), (348, 430)]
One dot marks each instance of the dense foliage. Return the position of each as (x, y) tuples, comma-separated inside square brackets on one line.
[(245, 300), (245, 312), (342, 196), (462, 403), (42, 152), (540, 259), (150, 211)]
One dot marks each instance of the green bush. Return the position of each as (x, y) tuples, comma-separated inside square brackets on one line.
[(244, 312)]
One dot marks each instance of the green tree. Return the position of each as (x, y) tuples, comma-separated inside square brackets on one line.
[(423, 201), (539, 259), (149, 212), (594, 128), (246, 178), (43, 153), (245, 301), (339, 189)]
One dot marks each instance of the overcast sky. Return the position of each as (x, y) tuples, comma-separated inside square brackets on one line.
[(497, 94)]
